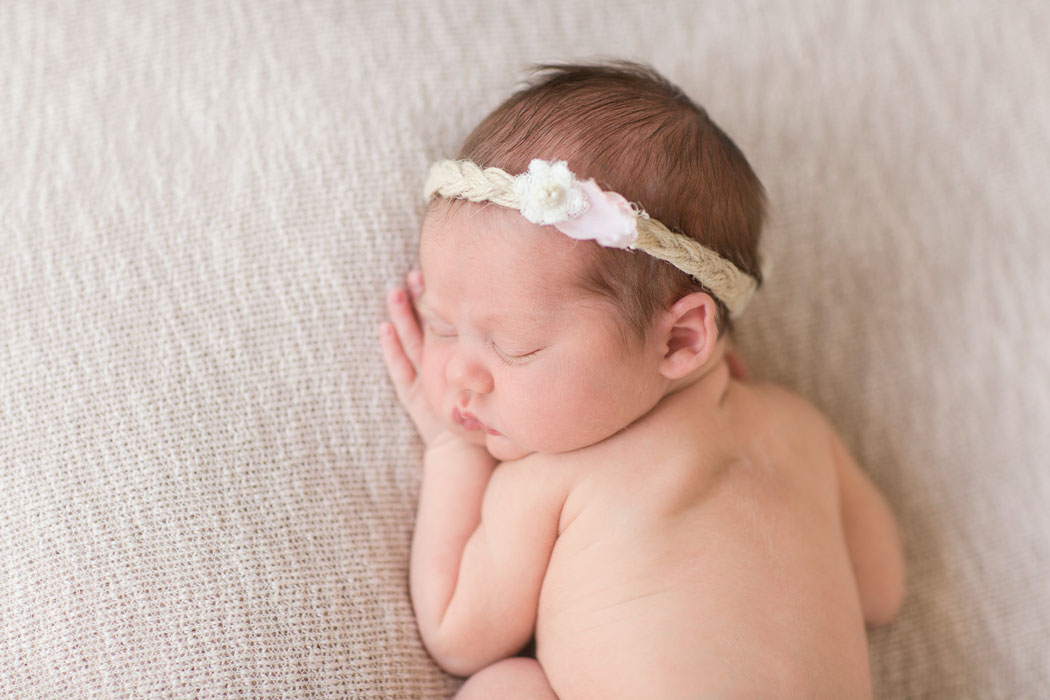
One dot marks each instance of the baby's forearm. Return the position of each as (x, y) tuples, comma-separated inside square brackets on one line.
[(455, 475)]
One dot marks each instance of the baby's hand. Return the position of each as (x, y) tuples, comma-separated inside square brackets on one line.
[(402, 343)]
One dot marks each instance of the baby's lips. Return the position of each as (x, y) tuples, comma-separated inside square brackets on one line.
[(466, 422)]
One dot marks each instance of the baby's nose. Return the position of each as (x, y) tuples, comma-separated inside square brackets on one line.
[(465, 372)]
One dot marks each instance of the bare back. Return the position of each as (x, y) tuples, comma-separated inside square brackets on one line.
[(701, 554)]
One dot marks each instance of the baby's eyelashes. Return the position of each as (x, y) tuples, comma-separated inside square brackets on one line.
[(437, 331), (514, 359)]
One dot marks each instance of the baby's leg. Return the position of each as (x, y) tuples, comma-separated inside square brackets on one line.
[(518, 677)]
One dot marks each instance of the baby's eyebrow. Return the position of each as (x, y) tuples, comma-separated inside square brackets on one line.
[(523, 322), (531, 322)]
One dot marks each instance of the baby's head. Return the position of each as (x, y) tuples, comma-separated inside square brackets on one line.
[(536, 341), (636, 134)]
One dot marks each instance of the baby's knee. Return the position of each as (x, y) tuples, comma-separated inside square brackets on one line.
[(518, 677)]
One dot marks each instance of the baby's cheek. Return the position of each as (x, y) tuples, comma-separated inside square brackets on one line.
[(581, 414)]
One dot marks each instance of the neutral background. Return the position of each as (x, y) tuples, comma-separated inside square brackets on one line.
[(206, 484)]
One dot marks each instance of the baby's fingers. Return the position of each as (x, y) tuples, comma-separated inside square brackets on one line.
[(407, 325), (405, 377), (401, 370), (415, 284)]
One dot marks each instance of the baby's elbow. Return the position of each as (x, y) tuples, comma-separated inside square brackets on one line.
[(455, 662), (452, 655), (460, 654)]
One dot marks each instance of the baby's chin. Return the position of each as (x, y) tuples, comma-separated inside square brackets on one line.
[(474, 437), (499, 446), (505, 450)]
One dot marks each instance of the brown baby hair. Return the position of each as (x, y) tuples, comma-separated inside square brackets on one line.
[(635, 133)]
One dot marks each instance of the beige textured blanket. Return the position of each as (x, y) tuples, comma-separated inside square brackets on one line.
[(206, 484)]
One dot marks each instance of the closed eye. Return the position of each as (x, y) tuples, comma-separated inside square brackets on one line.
[(440, 332), (514, 359)]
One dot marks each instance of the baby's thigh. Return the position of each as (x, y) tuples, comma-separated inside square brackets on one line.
[(518, 677)]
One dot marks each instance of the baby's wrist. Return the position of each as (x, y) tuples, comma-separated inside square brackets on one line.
[(447, 443)]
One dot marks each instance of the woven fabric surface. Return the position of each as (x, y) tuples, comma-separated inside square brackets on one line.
[(207, 484)]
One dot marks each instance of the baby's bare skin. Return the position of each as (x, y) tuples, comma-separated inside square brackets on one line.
[(713, 539), (700, 554)]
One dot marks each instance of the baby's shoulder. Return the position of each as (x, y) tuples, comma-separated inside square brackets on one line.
[(780, 408), (787, 432)]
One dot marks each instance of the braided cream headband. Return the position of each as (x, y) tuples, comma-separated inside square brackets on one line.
[(550, 194)]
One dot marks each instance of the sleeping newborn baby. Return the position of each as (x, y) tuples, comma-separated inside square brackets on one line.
[(597, 474)]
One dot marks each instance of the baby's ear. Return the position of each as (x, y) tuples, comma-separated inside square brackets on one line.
[(689, 332)]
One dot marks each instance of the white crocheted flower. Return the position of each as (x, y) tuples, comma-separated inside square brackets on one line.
[(549, 193)]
